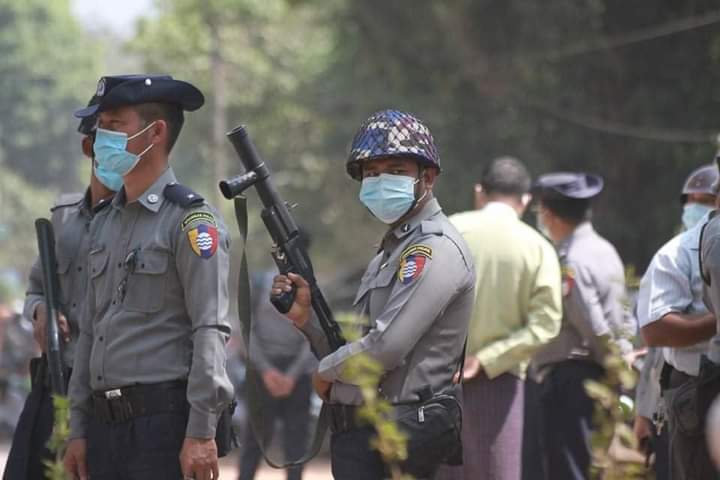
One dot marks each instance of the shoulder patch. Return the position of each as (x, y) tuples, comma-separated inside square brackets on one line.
[(203, 240), (182, 195), (67, 200), (195, 218), (412, 262), (568, 279), (417, 249)]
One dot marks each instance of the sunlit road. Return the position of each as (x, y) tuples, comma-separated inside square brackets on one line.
[(316, 470)]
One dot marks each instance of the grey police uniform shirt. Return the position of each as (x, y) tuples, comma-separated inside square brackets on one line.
[(417, 295), (672, 283), (594, 300), (157, 306), (710, 268), (71, 217)]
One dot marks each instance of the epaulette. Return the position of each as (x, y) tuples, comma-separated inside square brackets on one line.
[(182, 195), (431, 227), (67, 200)]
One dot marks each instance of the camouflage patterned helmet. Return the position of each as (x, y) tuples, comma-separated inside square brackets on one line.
[(391, 133)]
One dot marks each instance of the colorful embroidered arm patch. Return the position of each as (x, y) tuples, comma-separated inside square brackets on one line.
[(568, 279), (412, 262), (202, 233)]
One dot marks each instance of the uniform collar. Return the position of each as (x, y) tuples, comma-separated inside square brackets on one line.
[(86, 207), (154, 196), (428, 210), (582, 230), (392, 237), (500, 208)]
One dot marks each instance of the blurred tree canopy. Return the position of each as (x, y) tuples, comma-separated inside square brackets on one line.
[(46, 69), (628, 90)]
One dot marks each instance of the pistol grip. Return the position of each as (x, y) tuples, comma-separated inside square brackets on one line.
[(283, 302)]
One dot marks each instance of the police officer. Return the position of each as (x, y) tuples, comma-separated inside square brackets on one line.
[(671, 314), (593, 314), (149, 381), (417, 292), (71, 218)]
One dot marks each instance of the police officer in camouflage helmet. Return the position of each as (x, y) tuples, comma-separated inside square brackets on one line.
[(416, 294)]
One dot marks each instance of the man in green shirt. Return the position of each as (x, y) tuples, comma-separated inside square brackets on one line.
[(517, 310)]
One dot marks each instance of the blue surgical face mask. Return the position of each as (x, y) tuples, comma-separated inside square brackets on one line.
[(693, 213), (111, 180), (111, 151), (388, 197)]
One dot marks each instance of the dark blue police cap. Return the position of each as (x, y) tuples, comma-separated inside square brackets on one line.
[(571, 185), (119, 90), (88, 124)]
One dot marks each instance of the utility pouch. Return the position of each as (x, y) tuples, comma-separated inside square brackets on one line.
[(225, 437), (433, 428)]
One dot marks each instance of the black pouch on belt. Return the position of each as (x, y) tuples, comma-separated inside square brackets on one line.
[(225, 437), (433, 427)]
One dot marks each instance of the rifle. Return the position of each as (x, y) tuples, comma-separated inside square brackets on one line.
[(288, 250), (51, 289)]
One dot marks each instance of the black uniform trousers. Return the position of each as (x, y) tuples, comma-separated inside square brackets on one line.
[(561, 440), (689, 455), (33, 430), (294, 413), (143, 448), (352, 457)]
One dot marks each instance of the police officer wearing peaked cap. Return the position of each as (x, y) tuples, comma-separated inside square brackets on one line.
[(593, 314), (417, 294), (149, 383), (71, 217)]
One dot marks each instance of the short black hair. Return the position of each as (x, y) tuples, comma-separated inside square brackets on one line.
[(572, 210), (171, 113), (507, 176)]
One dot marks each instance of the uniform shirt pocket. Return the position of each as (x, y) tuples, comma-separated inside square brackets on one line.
[(98, 263), (65, 278), (146, 283), (385, 276)]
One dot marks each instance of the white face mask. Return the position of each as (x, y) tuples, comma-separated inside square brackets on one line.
[(693, 213)]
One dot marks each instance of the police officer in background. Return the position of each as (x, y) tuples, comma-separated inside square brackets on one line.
[(71, 218), (149, 381), (417, 292), (672, 315), (283, 357), (593, 314)]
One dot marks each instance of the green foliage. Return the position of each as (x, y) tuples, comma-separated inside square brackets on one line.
[(611, 420), (54, 469), (48, 70), (18, 209), (376, 411)]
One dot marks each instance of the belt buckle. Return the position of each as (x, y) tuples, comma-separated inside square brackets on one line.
[(113, 394)]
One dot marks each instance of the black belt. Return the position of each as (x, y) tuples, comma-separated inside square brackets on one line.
[(343, 418), (122, 404)]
